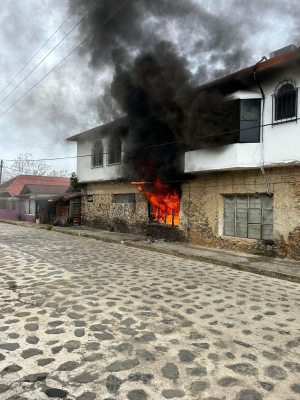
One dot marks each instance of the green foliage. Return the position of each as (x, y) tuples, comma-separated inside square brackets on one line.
[(111, 229), (49, 227), (12, 285), (266, 253), (74, 182), (18, 217)]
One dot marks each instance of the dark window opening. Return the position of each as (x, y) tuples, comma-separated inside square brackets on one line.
[(3, 205), (285, 103), (250, 110), (124, 198), (97, 154), (114, 152), (248, 216), (90, 198)]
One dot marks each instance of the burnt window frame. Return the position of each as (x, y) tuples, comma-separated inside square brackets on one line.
[(114, 156), (248, 222), (279, 96), (153, 221), (99, 155), (121, 196)]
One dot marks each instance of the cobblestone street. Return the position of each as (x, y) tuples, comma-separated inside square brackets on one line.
[(84, 319)]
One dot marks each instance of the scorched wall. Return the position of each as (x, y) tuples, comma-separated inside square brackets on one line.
[(201, 210)]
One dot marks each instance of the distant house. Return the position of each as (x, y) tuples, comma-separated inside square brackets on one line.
[(18, 195), (60, 210)]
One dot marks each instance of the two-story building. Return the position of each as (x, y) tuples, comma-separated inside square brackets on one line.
[(245, 193)]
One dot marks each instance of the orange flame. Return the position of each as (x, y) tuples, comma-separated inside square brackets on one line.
[(164, 202)]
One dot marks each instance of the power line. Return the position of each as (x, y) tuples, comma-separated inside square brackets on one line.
[(208, 136), (56, 158), (49, 52), (41, 47), (162, 144), (92, 33), (34, 144)]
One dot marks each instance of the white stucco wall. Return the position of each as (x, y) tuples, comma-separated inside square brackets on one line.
[(243, 155), (85, 171), (281, 143)]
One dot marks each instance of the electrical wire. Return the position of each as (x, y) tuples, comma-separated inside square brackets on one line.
[(166, 144), (38, 145), (41, 47), (92, 33), (92, 9)]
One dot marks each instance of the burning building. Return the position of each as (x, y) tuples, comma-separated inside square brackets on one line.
[(216, 165)]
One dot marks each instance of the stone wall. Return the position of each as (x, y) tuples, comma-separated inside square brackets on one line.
[(201, 209), (104, 213)]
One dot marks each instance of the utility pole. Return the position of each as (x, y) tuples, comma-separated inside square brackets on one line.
[(1, 166)]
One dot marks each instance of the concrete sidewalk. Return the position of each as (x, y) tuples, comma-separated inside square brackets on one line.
[(273, 267)]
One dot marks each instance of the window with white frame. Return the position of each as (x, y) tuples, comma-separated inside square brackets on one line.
[(248, 216), (97, 154)]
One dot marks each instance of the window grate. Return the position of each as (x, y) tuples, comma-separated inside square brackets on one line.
[(285, 104), (248, 216)]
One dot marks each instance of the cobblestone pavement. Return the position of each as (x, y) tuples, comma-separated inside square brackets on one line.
[(93, 320)]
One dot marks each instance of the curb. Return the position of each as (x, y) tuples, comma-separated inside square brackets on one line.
[(237, 266)]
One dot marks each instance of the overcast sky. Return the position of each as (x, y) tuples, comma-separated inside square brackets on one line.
[(221, 37)]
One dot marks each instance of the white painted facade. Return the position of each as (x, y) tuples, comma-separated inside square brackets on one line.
[(279, 143), (85, 141)]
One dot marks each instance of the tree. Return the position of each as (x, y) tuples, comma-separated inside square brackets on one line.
[(25, 164), (74, 182)]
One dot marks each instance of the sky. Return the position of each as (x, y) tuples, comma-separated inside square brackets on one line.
[(216, 38)]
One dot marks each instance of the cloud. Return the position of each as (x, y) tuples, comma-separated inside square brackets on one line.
[(226, 36)]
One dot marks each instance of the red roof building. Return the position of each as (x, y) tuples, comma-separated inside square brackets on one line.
[(14, 186)]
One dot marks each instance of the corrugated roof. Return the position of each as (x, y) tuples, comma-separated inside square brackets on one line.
[(15, 186), (67, 197)]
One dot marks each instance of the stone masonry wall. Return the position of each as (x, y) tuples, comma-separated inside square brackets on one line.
[(104, 213), (201, 209)]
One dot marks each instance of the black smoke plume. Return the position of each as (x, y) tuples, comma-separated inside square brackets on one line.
[(162, 105), (155, 81)]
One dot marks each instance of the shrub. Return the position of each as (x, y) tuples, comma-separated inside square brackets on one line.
[(12, 285), (49, 227), (111, 229)]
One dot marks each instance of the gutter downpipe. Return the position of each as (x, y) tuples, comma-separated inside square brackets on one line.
[(262, 128)]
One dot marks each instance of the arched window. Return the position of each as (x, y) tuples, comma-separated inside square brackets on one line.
[(285, 102), (114, 151), (97, 154)]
